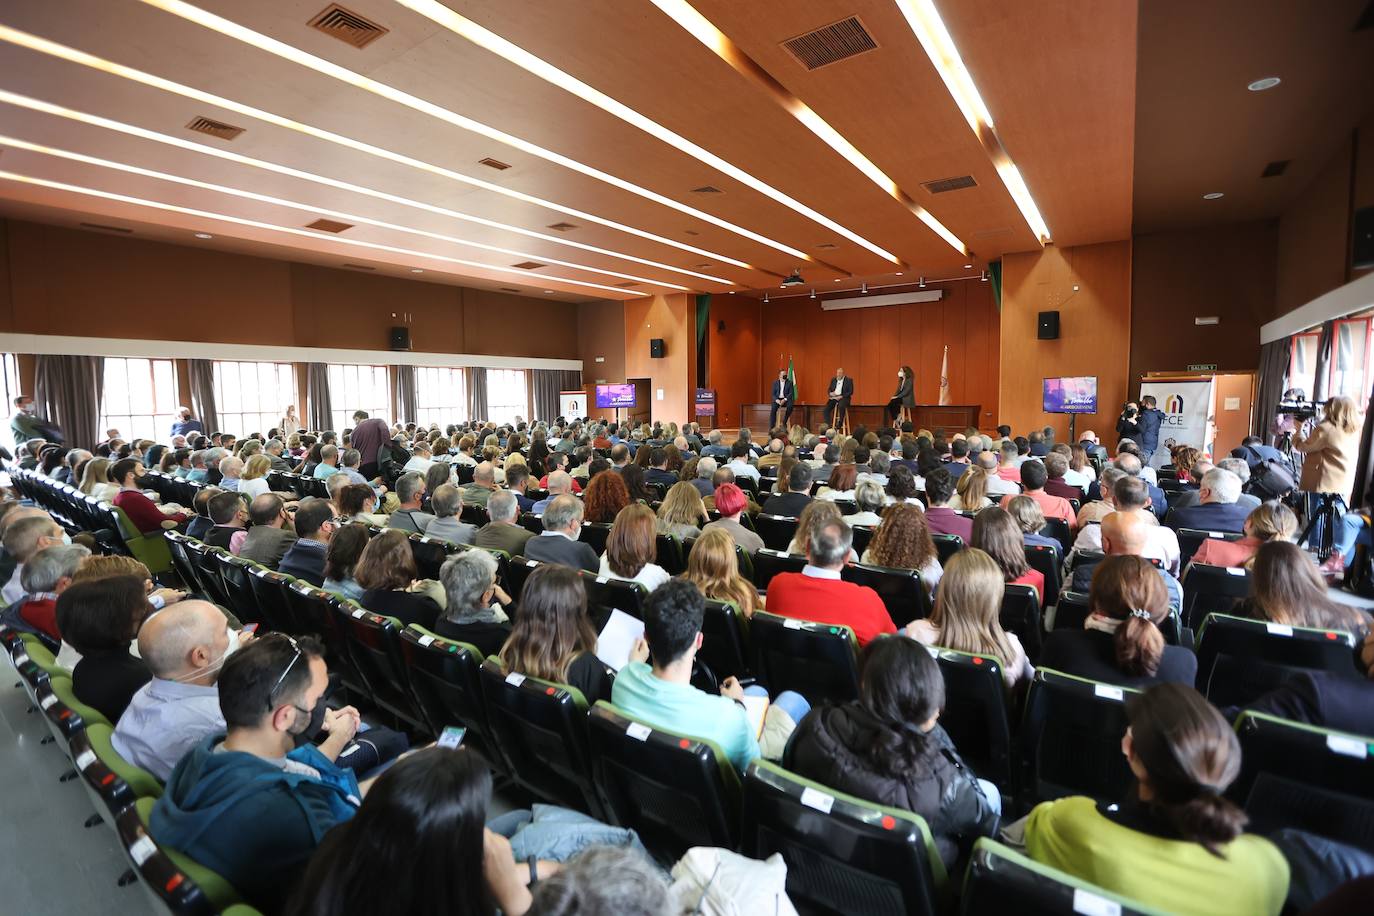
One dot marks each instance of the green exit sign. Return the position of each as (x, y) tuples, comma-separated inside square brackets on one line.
[(1203, 367)]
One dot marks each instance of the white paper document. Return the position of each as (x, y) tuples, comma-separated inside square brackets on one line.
[(618, 638)]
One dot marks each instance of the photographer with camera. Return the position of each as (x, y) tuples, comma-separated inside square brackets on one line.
[(1126, 426), (1331, 450)]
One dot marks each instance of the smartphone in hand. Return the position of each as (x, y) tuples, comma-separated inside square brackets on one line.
[(451, 737)]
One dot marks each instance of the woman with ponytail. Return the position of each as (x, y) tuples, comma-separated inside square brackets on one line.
[(887, 747), (1121, 642), (1174, 843)]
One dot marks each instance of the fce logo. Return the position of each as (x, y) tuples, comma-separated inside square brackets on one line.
[(1173, 404)]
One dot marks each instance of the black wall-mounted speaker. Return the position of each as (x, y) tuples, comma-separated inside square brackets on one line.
[(400, 338), (1047, 328), (656, 348)]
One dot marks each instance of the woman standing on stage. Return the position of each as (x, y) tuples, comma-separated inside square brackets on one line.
[(905, 395)]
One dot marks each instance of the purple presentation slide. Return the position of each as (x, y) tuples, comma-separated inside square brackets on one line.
[(1076, 394), (615, 396)]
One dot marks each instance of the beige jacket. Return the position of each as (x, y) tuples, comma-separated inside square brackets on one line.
[(1330, 463)]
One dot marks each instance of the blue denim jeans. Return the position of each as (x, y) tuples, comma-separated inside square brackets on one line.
[(790, 702), (993, 793), (1352, 530)]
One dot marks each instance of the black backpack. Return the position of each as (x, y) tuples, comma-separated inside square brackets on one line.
[(1269, 479)]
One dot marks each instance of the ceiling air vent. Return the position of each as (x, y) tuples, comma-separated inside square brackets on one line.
[(103, 228), (494, 164), (528, 265), (328, 225), (508, 289), (827, 246), (563, 227), (829, 44), (347, 26), (627, 284), (691, 232), (941, 185), (706, 189), (359, 267), (1276, 168), (203, 125)]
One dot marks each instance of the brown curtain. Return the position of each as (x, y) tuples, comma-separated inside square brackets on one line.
[(1273, 379), (1324, 342), (407, 394), (547, 384), (477, 392), (67, 393), (319, 404), (202, 372)]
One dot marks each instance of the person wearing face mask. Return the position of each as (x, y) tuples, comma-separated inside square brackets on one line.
[(248, 803), (25, 535), (25, 424), (904, 396)]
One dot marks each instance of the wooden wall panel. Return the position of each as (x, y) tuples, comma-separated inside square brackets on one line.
[(601, 336), (1095, 331), (672, 317), (871, 344), (1314, 233), (734, 363)]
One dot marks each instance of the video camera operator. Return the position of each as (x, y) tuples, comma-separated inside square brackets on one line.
[(1331, 450), (1126, 426)]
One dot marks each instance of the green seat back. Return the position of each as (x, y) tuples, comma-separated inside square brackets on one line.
[(1001, 880), (143, 783), (216, 891)]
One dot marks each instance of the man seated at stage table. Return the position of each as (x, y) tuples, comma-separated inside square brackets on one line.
[(837, 404), (783, 397)]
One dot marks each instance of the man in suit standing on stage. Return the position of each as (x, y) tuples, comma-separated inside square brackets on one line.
[(841, 390), (783, 396)]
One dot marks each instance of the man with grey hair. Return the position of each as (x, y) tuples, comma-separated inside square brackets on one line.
[(1134, 467), (24, 536), (1216, 509), (473, 612), (274, 449), (502, 532), (560, 482), (329, 463), (558, 543), (1241, 469), (819, 593), (447, 502), (607, 879), (706, 469), (230, 469), (213, 457), (483, 485), (44, 577), (878, 465), (410, 490), (713, 448)]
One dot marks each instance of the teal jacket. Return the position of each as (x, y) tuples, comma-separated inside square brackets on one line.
[(250, 821)]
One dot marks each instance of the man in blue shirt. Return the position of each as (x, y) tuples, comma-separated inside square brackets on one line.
[(1149, 422), (186, 424)]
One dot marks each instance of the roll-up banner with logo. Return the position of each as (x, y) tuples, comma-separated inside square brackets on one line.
[(572, 404), (1187, 420)]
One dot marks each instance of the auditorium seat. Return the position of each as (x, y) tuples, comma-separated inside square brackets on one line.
[(109, 793), (1212, 590), (843, 854), (676, 791), (142, 783), (847, 506), (430, 554), (373, 641), (975, 713), (668, 554), (595, 534), (185, 567), (149, 549), (817, 660), (1059, 529), (234, 573), (1190, 539), (1021, 615), (269, 591), (500, 556), (1070, 739), (541, 728), (532, 523), (520, 569), (318, 613), (723, 640), (1001, 880), (204, 556), (902, 591), (768, 563), (605, 593), (1277, 802), (947, 545), (183, 886), (777, 531), (443, 677), (474, 515), (862, 536), (1331, 760), (1239, 659), (64, 719), (1045, 560)]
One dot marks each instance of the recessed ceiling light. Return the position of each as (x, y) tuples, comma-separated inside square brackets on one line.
[(204, 235), (416, 270), (1269, 82), (968, 267), (899, 273), (1213, 195), (548, 291)]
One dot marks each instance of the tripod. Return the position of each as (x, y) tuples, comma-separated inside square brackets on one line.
[(1328, 510)]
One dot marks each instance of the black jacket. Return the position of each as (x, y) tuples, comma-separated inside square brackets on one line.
[(109, 680), (1210, 517), (552, 548), (407, 607), (828, 746), (1325, 699), (1092, 654), (788, 504)]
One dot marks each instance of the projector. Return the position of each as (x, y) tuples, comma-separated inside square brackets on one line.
[(794, 278)]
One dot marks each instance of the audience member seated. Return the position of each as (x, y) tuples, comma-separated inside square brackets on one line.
[(558, 462), (1272, 521), (887, 747), (606, 495), (201, 523), (1031, 521), (357, 502), (903, 541), (1130, 497), (1033, 477), (967, 616), (517, 484), (657, 472), (996, 533), (794, 492), (95, 480), (1286, 588), (1237, 466), (1056, 466), (739, 461), (713, 566), (444, 524), (420, 461), (386, 571), (345, 548), (184, 648), (44, 578), (271, 535), (1128, 460), (973, 488), (249, 804), (328, 464), (940, 518), (819, 594), (731, 502), (1009, 463), (410, 490), (1216, 509), (553, 638), (100, 620), (1176, 842), (558, 542), (682, 512), (706, 470), (27, 531), (143, 513), (1126, 534), (1327, 699), (231, 473), (476, 609), (632, 545), (314, 524), (663, 696), (230, 515), (254, 480), (870, 498), (1120, 642), (483, 485), (1101, 507), (559, 484), (503, 531), (840, 484), (720, 478)]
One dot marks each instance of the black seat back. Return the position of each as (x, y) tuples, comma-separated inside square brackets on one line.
[(520, 569), (1239, 660), (235, 573), (1045, 560), (975, 713), (1021, 615), (1059, 529), (777, 531), (605, 594), (430, 554), (723, 640), (1190, 539), (668, 554), (768, 563), (903, 593), (947, 545), (595, 535), (269, 591), (317, 613), (1001, 880), (374, 641), (1331, 760), (1212, 590), (1071, 738), (817, 660), (443, 678)]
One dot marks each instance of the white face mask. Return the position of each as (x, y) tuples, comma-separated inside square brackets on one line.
[(218, 663)]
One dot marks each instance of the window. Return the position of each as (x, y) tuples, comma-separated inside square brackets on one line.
[(1350, 354), (441, 395), (140, 398), (9, 374), (507, 395), (1302, 366), (353, 388), (253, 397)]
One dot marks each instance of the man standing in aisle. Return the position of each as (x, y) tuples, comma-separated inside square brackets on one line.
[(783, 396), (841, 390), (1149, 422)]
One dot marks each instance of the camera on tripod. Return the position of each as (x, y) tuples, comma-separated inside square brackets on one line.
[(1298, 408)]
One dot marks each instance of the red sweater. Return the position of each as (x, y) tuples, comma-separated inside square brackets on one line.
[(143, 512), (832, 601), (1032, 577), (41, 613)]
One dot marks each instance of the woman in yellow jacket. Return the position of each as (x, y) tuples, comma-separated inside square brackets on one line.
[(1176, 844), (1332, 449)]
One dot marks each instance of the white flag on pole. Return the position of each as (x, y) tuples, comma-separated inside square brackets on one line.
[(944, 377)]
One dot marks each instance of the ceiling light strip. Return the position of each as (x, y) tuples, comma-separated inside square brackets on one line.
[(930, 30), (73, 55), (33, 104), (290, 230), (72, 156), (513, 53), (705, 31), (324, 67)]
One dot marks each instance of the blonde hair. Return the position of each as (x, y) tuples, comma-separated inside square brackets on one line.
[(97, 471), (1272, 521), (1027, 513), (515, 459), (811, 516), (968, 606), (105, 566), (682, 505), (713, 566), (1343, 413), (972, 488), (257, 466)]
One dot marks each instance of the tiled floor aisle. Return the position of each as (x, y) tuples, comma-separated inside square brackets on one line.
[(50, 864)]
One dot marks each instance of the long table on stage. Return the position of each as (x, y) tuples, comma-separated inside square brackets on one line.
[(950, 417)]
